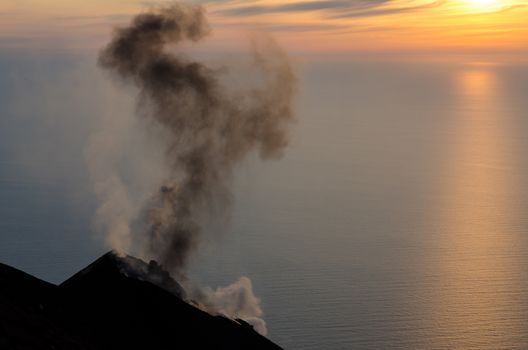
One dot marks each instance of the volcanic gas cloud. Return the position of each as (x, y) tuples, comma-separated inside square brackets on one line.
[(207, 129)]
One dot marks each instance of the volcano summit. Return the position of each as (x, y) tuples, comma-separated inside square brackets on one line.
[(114, 303)]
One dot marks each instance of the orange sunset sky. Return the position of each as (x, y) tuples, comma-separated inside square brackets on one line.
[(337, 26)]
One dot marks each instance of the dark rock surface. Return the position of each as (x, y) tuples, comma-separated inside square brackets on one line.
[(114, 303)]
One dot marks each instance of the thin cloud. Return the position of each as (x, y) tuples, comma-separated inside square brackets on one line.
[(388, 11), (278, 27), (108, 18), (328, 9)]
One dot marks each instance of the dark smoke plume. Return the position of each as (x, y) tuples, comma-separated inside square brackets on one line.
[(209, 129)]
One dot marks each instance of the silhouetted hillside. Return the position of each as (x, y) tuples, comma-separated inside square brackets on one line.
[(114, 303)]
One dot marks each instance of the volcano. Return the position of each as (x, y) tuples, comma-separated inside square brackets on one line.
[(114, 303)]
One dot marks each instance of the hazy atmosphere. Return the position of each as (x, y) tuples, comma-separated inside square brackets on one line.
[(339, 174)]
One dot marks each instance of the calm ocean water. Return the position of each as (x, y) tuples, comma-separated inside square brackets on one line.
[(396, 220)]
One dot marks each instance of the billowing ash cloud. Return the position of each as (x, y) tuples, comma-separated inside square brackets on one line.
[(206, 131)]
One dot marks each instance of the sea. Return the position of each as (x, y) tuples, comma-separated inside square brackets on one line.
[(396, 218)]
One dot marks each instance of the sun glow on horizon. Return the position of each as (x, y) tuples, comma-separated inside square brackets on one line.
[(484, 3)]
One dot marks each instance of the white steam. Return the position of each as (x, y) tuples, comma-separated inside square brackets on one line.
[(236, 300)]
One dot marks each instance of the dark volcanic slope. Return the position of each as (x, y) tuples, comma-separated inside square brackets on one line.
[(24, 322), (115, 303)]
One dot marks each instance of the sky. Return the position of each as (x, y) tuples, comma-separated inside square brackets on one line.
[(497, 27)]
